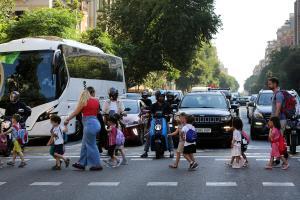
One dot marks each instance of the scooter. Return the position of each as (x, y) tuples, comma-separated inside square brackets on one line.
[(158, 135), (292, 133)]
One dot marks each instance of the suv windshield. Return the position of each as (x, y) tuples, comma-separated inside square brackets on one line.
[(204, 101), (265, 99), (30, 73)]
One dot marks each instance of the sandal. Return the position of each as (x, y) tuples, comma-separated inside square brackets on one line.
[(173, 166), (285, 167)]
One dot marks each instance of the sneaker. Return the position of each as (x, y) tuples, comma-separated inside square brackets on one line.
[(285, 167), (78, 166), (191, 165), (171, 154), (144, 155), (11, 163), (67, 162), (22, 164), (56, 168), (195, 166), (124, 162)]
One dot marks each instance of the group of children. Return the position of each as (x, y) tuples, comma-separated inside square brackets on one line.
[(187, 148), (239, 143)]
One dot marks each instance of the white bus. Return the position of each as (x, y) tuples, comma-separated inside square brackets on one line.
[(50, 73)]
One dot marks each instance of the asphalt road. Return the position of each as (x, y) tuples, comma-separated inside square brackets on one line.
[(152, 179)]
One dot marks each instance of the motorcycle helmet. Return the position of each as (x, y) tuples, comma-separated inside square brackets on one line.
[(113, 93), (170, 96), (14, 96), (159, 94), (145, 94)]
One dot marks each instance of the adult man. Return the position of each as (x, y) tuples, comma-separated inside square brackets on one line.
[(15, 105), (145, 99), (165, 108)]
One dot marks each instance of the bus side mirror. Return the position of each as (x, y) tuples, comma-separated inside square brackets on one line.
[(56, 59)]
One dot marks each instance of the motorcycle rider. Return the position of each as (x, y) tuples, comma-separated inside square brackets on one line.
[(113, 105), (145, 99), (160, 105), (15, 105), (172, 99)]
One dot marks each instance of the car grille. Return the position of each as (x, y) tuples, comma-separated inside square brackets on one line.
[(204, 119), (267, 116)]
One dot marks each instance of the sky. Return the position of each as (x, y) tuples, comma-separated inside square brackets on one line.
[(247, 26)]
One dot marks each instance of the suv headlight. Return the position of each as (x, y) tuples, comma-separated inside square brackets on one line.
[(226, 118), (258, 115)]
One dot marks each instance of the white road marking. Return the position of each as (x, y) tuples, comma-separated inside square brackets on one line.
[(46, 183), (2, 183), (262, 159), (222, 159), (141, 159), (104, 184), (167, 184), (221, 184), (278, 184)]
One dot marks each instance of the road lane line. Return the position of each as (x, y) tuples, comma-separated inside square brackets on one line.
[(104, 184), (278, 184), (221, 184), (167, 184), (222, 159), (2, 183), (46, 184), (141, 159), (262, 159)]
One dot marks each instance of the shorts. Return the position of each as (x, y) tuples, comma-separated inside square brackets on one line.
[(59, 149), (17, 147), (180, 147), (189, 149), (111, 150)]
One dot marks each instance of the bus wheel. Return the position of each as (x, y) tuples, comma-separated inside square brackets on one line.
[(78, 131)]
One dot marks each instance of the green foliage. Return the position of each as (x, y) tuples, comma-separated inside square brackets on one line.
[(285, 64), (47, 22), (6, 17)]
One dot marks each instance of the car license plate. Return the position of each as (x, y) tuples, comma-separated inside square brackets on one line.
[(203, 130)]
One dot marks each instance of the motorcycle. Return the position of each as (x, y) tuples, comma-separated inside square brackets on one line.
[(292, 134), (158, 135)]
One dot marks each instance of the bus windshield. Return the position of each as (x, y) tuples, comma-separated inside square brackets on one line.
[(30, 73)]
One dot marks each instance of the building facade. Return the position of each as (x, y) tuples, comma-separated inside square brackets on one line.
[(286, 34), (297, 22)]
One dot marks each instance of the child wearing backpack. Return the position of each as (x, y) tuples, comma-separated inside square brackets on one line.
[(112, 141), (278, 143), (17, 150), (57, 142), (189, 137)]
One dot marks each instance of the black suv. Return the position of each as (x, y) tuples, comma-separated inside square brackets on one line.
[(262, 109), (212, 115)]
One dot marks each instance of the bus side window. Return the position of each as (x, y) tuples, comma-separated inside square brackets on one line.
[(62, 76)]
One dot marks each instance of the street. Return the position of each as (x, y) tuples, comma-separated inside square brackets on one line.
[(151, 179)]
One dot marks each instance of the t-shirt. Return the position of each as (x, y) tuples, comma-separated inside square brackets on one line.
[(112, 136), (184, 130), (278, 98), (58, 135), (275, 134), (92, 108), (237, 137)]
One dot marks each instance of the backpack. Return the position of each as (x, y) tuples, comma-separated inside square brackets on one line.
[(245, 141), (64, 135), (191, 136), (289, 104), (282, 145), (22, 136), (120, 139)]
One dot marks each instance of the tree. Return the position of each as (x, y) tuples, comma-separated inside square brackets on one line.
[(6, 17), (58, 22)]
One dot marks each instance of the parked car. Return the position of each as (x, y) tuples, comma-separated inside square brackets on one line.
[(212, 115), (262, 110), (250, 107)]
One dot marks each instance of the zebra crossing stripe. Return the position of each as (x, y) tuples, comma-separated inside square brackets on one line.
[(2, 183), (167, 184)]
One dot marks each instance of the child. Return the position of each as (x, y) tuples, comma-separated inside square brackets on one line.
[(120, 140), (236, 151), (57, 140), (17, 150), (112, 135), (180, 147), (274, 137), (189, 147)]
